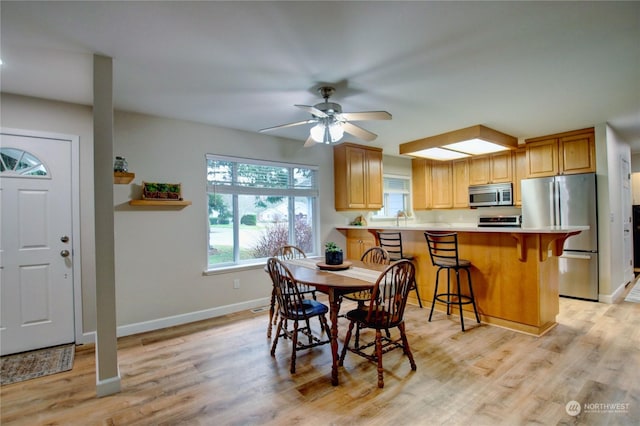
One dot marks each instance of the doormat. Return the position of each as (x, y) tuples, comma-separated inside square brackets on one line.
[(634, 294), (38, 363)]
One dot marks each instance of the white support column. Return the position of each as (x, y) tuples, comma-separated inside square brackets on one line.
[(107, 372)]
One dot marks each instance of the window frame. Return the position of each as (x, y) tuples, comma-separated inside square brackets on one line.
[(236, 189), (386, 191)]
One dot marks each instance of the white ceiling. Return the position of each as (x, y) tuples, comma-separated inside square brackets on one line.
[(524, 68)]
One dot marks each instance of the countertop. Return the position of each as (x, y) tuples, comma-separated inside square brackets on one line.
[(470, 228)]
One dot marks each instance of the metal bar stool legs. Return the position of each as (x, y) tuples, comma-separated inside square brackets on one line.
[(456, 298), (443, 250), (415, 287)]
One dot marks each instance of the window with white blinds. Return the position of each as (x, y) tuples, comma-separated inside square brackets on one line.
[(396, 197)]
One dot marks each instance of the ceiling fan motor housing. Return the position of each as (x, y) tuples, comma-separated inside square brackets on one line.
[(329, 108)]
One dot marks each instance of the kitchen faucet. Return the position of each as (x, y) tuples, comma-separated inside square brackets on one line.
[(401, 213)]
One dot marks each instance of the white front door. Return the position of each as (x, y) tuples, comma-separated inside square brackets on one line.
[(36, 253)]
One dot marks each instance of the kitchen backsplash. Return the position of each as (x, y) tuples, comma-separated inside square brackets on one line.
[(454, 216)]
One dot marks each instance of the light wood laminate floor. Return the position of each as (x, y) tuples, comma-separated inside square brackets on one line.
[(219, 372)]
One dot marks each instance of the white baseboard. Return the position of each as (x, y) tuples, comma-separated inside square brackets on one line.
[(109, 386), (611, 298), (157, 324)]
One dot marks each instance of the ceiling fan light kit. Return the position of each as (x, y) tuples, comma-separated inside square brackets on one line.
[(326, 131), (474, 140), (332, 123)]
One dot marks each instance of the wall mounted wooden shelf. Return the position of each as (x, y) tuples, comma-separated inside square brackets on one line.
[(123, 177), (168, 203)]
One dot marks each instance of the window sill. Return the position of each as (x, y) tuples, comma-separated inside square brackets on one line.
[(234, 268)]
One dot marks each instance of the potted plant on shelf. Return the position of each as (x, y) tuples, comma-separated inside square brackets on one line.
[(332, 254)]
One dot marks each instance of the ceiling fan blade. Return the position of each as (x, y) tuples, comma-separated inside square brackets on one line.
[(358, 132), (309, 142), (313, 110), (366, 115), (282, 126)]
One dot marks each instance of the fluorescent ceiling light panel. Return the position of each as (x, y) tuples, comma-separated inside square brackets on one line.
[(439, 154), (476, 147), (482, 140)]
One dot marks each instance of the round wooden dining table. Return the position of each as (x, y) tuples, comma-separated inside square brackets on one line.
[(335, 284)]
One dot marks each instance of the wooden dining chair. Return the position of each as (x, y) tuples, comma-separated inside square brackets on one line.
[(293, 252), (294, 308), (287, 252), (385, 311), (392, 242), (376, 255)]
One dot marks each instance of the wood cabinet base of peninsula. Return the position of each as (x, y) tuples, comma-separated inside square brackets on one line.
[(515, 276)]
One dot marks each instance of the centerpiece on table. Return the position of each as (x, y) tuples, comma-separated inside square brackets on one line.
[(333, 254)]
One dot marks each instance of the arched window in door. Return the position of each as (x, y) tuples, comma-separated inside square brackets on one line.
[(17, 162)]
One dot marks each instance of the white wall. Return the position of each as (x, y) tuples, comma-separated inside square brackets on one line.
[(161, 253), (610, 149)]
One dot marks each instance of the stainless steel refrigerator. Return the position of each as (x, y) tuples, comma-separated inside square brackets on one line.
[(567, 201)]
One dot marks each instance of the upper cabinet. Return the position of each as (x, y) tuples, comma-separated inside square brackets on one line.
[(432, 184), (577, 153), (421, 183), (542, 158), (441, 185), (460, 171), (519, 158), (358, 177), (561, 154), (492, 168)]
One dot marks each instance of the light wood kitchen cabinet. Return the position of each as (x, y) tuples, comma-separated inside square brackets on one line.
[(561, 154), (542, 158), (432, 183), (479, 172), (460, 169), (441, 185), (519, 158), (357, 177), (577, 153), (421, 183), (359, 241), (492, 168), (501, 171)]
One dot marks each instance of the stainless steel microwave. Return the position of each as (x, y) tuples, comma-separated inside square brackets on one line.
[(496, 194)]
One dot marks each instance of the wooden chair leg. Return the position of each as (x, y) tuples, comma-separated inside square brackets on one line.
[(271, 314), (275, 341), (405, 345), (294, 345), (379, 356), (346, 343)]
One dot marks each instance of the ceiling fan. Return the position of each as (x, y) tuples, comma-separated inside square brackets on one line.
[(331, 122)]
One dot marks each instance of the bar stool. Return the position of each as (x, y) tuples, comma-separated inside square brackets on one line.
[(443, 250), (392, 242)]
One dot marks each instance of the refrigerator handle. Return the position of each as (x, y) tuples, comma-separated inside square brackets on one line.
[(552, 203), (556, 192)]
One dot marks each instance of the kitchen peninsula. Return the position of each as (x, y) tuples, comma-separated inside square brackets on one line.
[(515, 270)]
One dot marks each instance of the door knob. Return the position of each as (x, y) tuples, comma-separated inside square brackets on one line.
[(64, 253), (64, 239)]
